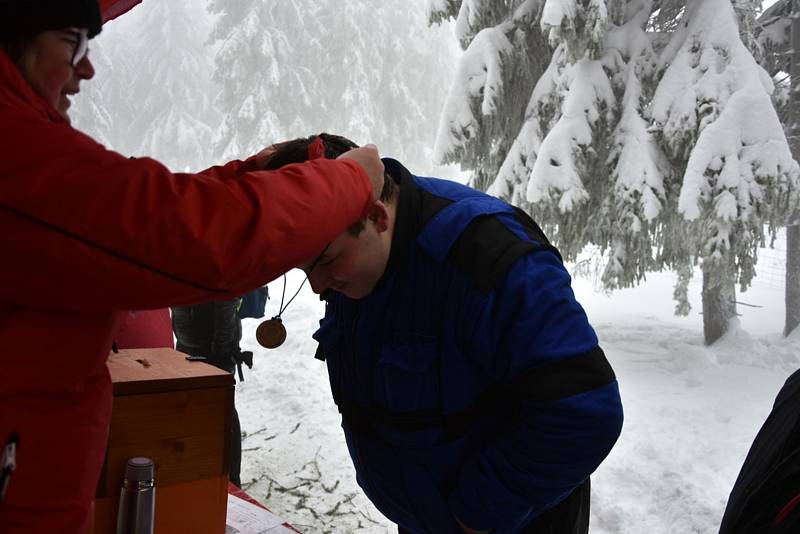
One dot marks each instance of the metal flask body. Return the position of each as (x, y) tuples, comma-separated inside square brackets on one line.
[(137, 501)]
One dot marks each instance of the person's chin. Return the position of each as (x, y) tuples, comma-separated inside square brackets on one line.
[(355, 293), (63, 108)]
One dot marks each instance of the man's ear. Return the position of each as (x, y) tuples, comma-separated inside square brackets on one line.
[(378, 215)]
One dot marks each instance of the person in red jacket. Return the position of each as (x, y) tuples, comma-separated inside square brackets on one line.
[(87, 234), (145, 329)]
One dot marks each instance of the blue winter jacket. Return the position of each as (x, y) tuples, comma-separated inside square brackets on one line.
[(470, 382)]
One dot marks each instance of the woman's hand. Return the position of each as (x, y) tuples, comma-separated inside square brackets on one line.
[(367, 156)]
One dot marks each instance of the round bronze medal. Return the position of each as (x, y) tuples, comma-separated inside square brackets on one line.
[(271, 334)]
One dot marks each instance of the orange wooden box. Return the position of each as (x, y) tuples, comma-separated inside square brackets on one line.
[(177, 413)]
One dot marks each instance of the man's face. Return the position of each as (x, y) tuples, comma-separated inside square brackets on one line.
[(352, 265)]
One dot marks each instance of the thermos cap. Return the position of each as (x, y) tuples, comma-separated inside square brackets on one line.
[(139, 469)]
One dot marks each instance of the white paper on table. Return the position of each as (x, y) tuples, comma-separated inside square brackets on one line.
[(280, 529), (247, 518)]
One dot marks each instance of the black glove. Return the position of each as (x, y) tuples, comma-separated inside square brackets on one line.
[(246, 357)]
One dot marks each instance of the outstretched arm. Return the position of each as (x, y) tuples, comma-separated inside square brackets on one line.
[(86, 228), (534, 339)]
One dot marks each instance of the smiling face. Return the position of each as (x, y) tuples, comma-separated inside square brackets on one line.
[(47, 66), (351, 264)]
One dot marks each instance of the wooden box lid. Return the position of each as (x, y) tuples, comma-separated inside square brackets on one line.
[(140, 371)]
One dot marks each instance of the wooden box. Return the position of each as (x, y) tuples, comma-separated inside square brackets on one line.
[(178, 413)]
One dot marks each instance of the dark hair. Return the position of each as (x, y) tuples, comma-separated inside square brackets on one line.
[(296, 151), (15, 48)]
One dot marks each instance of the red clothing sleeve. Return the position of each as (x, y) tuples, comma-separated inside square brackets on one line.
[(232, 169), (86, 228), (85, 232), (145, 329)]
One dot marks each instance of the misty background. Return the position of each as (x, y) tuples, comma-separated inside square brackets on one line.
[(193, 84), (198, 83)]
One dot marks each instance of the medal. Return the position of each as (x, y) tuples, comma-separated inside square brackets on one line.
[(271, 334)]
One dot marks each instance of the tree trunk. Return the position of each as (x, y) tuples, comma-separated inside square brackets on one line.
[(793, 229), (719, 299), (792, 276)]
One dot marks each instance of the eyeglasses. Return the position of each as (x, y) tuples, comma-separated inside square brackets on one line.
[(81, 46)]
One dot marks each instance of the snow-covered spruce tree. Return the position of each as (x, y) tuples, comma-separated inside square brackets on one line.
[(373, 72), (747, 12), (582, 160), (505, 53), (779, 37), (713, 113), (90, 112), (175, 122), (386, 74), (568, 167), (613, 148), (601, 139), (773, 36), (793, 228), (155, 111), (256, 58)]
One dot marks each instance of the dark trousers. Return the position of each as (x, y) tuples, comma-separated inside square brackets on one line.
[(570, 516), (236, 450)]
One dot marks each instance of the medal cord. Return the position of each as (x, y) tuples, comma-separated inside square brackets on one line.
[(282, 308)]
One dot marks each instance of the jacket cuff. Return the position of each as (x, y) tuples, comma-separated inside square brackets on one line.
[(365, 182)]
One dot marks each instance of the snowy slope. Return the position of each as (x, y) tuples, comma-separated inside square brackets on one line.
[(691, 413)]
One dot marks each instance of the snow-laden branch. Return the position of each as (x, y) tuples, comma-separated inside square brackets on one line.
[(713, 105), (440, 10), (713, 111), (514, 175), (640, 164), (477, 89), (580, 26), (556, 175)]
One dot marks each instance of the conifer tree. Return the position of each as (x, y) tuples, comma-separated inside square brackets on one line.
[(637, 138), (505, 53), (373, 72), (155, 111), (779, 37), (261, 71), (793, 227), (713, 112)]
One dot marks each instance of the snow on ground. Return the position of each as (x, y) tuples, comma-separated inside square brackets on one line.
[(691, 413)]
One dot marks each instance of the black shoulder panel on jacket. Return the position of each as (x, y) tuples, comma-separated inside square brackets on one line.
[(486, 250), (565, 378), (534, 231), (430, 205)]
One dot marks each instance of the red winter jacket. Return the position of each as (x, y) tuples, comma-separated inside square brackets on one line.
[(87, 234), (145, 329)]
